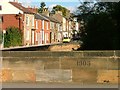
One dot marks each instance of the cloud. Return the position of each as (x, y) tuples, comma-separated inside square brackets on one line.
[(72, 9), (51, 6), (26, 3)]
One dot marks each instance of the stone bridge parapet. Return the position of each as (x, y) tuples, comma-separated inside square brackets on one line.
[(61, 66)]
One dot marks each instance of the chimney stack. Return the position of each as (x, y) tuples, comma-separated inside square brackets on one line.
[(15, 0), (45, 12)]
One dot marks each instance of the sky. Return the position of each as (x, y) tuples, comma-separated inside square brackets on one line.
[(69, 4)]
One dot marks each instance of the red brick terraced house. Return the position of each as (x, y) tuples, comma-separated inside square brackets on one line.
[(38, 31), (42, 32), (15, 15), (53, 26), (46, 30), (54, 29)]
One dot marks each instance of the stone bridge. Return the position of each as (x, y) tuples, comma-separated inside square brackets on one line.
[(60, 66)]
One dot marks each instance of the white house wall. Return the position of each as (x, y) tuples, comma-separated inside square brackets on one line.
[(8, 8), (64, 24), (77, 26)]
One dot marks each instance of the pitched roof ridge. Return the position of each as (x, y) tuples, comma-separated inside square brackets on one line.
[(19, 6), (42, 16)]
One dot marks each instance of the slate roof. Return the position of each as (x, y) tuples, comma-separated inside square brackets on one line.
[(39, 16), (51, 19), (19, 6)]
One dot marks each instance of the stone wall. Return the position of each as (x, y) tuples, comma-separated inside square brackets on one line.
[(61, 67)]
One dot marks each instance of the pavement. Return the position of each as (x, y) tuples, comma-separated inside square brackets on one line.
[(56, 85)]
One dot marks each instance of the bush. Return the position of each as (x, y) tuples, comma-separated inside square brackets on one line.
[(12, 37), (0, 36)]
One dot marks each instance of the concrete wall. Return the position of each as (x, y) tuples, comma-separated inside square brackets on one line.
[(65, 67)]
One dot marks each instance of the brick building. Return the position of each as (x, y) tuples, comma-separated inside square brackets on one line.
[(42, 32), (21, 18)]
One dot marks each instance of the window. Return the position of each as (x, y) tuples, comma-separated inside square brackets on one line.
[(47, 38), (36, 36), (33, 21), (58, 27), (0, 7), (27, 21), (53, 26), (36, 24), (52, 35), (27, 35), (43, 24), (32, 37), (47, 25), (42, 35)]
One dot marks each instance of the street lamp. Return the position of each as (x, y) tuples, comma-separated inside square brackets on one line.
[(4, 31)]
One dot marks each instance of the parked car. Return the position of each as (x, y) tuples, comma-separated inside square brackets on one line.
[(66, 40)]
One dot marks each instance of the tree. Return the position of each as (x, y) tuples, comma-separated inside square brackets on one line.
[(101, 26), (1, 36), (42, 7), (13, 37), (60, 8)]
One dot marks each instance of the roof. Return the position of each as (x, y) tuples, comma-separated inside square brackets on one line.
[(51, 19), (19, 6), (39, 16), (54, 20)]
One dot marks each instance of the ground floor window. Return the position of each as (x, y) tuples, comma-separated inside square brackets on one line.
[(27, 34)]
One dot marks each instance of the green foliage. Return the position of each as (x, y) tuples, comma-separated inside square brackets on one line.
[(60, 8), (12, 37), (100, 35), (41, 8), (1, 36), (101, 26)]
